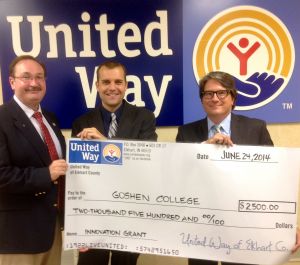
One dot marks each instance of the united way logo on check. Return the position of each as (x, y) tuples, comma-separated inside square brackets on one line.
[(84, 152), (111, 153), (95, 152), (253, 45)]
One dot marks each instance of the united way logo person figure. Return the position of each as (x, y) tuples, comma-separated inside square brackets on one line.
[(111, 153), (254, 46)]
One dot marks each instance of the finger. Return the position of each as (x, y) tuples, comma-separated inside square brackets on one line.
[(83, 249), (220, 140), (295, 248)]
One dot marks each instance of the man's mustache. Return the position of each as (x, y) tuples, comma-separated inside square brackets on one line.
[(33, 89)]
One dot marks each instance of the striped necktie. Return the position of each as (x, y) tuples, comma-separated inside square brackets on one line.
[(216, 129), (113, 126), (46, 136), (54, 156)]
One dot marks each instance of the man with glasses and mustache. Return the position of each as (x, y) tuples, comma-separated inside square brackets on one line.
[(218, 96), (31, 169)]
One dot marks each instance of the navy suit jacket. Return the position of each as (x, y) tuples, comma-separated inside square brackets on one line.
[(27, 194), (244, 131), (135, 123)]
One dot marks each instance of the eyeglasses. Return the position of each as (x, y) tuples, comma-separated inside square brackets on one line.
[(29, 78), (221, 94)]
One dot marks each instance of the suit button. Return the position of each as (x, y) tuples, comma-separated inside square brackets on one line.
[(55, 204), (55, 182), (36, 194)]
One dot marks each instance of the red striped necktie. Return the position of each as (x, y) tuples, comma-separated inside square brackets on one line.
[(46, 136), (53, 155)]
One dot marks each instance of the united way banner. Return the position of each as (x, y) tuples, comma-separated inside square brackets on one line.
[(167, 47), (73, 37)]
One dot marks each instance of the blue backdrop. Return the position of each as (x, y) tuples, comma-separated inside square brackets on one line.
[(166, 45)]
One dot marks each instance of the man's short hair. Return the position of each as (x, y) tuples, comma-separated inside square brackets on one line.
[(21, 58), (225, 79), (112, 65)]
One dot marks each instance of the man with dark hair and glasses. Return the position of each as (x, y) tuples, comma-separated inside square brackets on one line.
[(218, 96)]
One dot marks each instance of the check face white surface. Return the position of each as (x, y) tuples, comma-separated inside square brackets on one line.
[(189, 200)]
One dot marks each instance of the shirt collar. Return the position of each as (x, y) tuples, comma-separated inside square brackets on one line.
[(225, 124), (28, 111), (107, 114)]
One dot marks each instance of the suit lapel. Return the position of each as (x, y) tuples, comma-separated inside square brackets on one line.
[(24, 125), (235, 130), (125, 122), (203, 130), (97, 121)]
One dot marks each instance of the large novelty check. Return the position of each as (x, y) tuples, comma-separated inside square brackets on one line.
[(180, 199)]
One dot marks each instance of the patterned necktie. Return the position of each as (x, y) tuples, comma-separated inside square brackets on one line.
[(216, 129), (113, 126), (46, 136), (53, 155)]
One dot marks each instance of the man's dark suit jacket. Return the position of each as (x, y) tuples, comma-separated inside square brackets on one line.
[(244, 131), (135, 123), (27, 195)]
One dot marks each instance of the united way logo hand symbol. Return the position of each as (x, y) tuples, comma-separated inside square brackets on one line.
[(254, 46), (111, 153)]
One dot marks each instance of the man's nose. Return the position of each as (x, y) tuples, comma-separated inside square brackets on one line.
[(33, 81), (215, 97)]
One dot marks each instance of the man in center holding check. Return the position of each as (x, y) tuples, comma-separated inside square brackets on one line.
[(114, 118), (218, 96)]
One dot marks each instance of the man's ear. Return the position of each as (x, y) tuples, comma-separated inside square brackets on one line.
[(11, 81)]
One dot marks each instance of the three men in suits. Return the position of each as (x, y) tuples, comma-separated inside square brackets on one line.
[(132, 123), (218, 96), (29, 229)]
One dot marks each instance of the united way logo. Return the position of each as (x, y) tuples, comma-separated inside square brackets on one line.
[(254, 46), (112, 154)]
